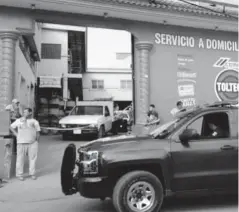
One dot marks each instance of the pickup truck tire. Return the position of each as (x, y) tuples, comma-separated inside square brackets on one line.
[(67, 168), (101, 132), (136, 185)]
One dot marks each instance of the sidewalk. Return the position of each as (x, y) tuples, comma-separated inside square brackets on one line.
[(47, 186), (44, 188)]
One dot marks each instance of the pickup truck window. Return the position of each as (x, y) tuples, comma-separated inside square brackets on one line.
[(211, 126), (87, 110), (107, 112)]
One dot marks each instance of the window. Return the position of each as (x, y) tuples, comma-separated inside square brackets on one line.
[(107, 112), (98, 84), (197, 125), (87, 110), (126, 84), (50, 51), (213, 125)]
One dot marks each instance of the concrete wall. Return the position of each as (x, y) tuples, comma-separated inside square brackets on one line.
[(111, 86), (50, 67), (26, 77), (13, 20)]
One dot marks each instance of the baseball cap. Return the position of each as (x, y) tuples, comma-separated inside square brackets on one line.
[(15, 101)]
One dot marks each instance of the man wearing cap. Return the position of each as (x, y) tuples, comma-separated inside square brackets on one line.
[(15, 113), (15, 110)]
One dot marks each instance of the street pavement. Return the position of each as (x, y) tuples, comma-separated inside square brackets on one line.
[(45, 194)]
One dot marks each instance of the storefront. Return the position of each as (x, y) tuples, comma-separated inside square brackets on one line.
[(179, 49), (195, 66)]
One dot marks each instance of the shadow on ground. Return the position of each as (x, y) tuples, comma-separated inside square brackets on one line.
[(207, 203)]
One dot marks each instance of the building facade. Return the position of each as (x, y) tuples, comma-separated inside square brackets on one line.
[(180, 50), (107, 72)]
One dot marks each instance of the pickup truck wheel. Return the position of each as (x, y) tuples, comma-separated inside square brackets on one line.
[(101, 132), (138, 191), (67, 168)]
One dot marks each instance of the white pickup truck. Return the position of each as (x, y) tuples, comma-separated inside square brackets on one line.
[(93, 117)]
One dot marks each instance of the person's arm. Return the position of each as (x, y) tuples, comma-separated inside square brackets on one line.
[(8, 108), (20, 111), (38, 130), (14, 126)]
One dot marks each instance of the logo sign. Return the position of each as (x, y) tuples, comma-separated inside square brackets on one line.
[(224, 62), (226, 85)]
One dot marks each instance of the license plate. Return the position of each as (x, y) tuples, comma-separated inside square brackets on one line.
[(77, 131)]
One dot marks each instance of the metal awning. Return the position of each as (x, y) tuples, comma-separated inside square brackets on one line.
[(50, 82)]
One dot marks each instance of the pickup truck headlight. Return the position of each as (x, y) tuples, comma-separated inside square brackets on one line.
[(89, 162), (63, 125), (93, 125)]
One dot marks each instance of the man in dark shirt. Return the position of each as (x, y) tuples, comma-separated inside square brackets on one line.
[(152, 114), (217, 131)]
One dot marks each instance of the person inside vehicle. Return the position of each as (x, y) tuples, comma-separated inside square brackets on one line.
[(216, 131)]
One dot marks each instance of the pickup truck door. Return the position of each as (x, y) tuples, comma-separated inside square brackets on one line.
[(208, 163)]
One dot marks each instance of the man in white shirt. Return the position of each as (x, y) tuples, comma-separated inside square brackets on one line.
[(178, 109), (28, 134)]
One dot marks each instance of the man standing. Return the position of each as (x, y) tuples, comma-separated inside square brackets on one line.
[(178, 109), (15, 113), (15, 110), (116, 120), (28, 134)]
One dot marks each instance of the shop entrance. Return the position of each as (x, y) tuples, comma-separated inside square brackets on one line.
[(94, 63)]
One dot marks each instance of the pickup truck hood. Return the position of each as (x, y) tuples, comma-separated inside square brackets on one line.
[(81, 119), (125, 143)]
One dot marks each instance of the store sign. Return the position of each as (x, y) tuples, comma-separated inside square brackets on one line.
[(225, 62), (50, 82), (191, 42), (226, 85), (186, 80)]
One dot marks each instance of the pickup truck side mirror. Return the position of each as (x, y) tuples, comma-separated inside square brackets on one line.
[(187, 135), (107, 114)]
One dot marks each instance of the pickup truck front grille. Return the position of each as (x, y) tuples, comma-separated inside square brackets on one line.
[(76, 125)]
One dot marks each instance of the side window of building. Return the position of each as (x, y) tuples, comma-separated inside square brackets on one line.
[(211, 126), (97, 84), (107, 112), (126, 84), (50, 51)]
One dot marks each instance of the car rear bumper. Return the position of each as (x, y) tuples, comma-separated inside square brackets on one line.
[(83, 132)]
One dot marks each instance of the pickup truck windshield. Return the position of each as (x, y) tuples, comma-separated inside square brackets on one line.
[(87, 110), (165, 129)]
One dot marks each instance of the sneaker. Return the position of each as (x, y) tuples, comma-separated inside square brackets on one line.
[(34, 177), (21, 178)]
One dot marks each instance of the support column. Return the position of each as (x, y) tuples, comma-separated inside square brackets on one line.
[(142, 80), (7, 68)]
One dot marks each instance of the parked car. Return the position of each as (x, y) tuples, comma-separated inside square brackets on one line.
[(188, 154), (90, 117)]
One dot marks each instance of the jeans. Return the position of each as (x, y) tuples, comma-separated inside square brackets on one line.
[(26, 149)]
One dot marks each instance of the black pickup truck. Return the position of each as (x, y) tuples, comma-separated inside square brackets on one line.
[(198, 151)]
